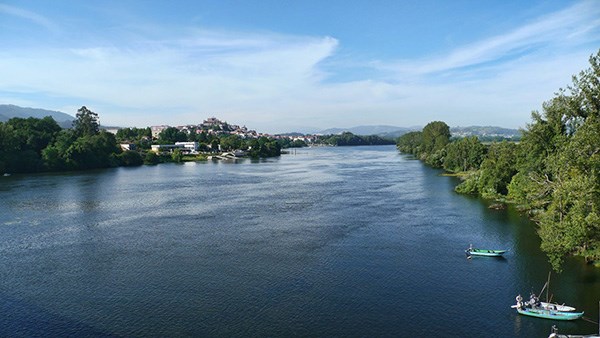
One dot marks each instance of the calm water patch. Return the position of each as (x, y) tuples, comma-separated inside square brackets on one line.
[(357, 241)]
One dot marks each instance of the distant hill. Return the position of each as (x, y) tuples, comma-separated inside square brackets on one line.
[(485, 132), (8, 111), (393, 132), (379, 130)]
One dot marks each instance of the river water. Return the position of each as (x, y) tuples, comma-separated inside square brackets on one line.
[(346, 241)]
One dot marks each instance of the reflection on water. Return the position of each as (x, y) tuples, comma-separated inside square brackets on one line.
[(357, 241)]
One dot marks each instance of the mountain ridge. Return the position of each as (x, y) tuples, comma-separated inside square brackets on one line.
[(395, 131), (8, 111)]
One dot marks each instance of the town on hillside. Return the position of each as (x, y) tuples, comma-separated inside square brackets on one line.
[(192, 139), (214, 127)]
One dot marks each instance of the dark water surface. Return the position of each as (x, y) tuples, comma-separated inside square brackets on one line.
[(356, 241)]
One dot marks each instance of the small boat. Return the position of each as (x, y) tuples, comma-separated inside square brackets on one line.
[(534, 310), (549, 314), (484, 252)]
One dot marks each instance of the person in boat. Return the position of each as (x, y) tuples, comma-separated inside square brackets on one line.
[(534, 301)]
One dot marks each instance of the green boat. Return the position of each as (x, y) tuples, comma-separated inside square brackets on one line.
[(549, 314), (533, 309), (484, 252)]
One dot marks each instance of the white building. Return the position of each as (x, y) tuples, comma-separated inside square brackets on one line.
[(191, 146)]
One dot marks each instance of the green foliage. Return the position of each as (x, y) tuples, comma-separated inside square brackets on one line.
[(470, 185), (202, 137), (464, 154), (54, 155), (171, 135), (22, 142), (133, 134), (435, 158), (90, 152), (177, 156), (436, 135), (410, 143), (32, 145), (570, 224), (34, 134), (349, 139), (497, 169), (530, 191), (24, 161), (288, 143), (86, 122), (151, 158), (568, 174), (230, 142), (214, 145), (263, 147), (140, 137), (130, 158), (428, 145), (8, 146)]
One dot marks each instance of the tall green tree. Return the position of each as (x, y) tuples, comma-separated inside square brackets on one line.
[(436, 135), (86, 122)]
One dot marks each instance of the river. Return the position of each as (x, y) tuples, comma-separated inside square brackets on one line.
[(336, 241)]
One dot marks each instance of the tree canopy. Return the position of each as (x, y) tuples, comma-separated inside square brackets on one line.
[(86, 122)]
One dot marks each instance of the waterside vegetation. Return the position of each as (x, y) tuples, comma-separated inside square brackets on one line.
[(350, 139), (553, 173), (29, 145)]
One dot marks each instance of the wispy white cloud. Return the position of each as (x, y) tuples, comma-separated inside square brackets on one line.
[(29, 16), (571, 26), (240, 72)]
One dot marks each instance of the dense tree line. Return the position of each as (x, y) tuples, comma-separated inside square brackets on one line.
[(553, 173), (288, 143), (349, 139), (140, 137), (255, 147), (429, 144), (36, 145)]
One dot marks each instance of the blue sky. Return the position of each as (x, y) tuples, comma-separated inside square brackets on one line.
[(279, 66)]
